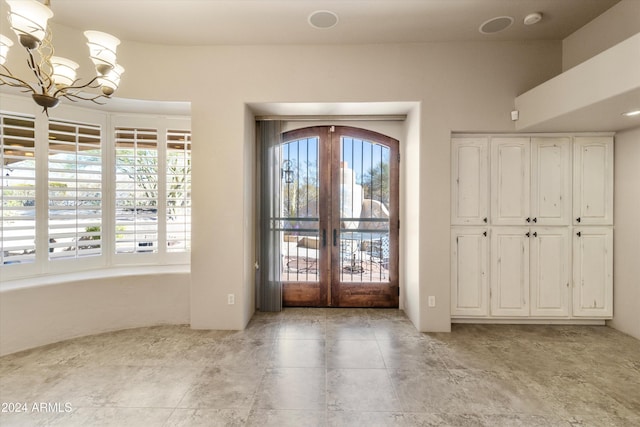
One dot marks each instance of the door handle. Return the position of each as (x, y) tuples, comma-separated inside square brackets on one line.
[(535, 220), (335, 237), (528, 234), (578, 219), (578, 234), (535, 234), (324, 237)]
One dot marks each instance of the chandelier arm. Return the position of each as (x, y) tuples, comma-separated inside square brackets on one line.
[(90, 84), (75, 98), (36, 70), (6, 79)]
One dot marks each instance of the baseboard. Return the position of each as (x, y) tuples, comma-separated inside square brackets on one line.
[(515, 321)]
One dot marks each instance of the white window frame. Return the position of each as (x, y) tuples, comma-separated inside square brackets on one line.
[(77, 115), (25, 107), (161, 124), (108, 121)]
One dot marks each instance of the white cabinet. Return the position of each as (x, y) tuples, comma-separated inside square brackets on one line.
[(530, 270), (593, 271), (531, 181), (510, 271), (551, 181), (510, 162), (550, 271), (469, 181), (469, 271), (593, 180), (531, 227)]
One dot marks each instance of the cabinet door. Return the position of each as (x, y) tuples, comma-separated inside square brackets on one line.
[(469, 181), (510, 271), (593, 272), (510, 181), (469, 268), (593, 180), (551, 181), (550, 259)]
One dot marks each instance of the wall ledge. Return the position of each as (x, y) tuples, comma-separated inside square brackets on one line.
[(103, 273)]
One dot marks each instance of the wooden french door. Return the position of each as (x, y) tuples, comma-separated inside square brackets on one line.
[(340, 218)]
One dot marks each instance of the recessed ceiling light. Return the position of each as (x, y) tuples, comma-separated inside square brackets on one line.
[(533, 18), (631, 113), (495, 25), (323, 19)]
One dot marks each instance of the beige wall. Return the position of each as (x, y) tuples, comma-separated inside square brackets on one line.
[(626, 252), (35, 316), (615, 25), (459, 87)]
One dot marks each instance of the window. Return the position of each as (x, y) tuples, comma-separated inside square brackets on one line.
[(18, 211), (87, 189), (136, 190), (178, 190), (75, 190)]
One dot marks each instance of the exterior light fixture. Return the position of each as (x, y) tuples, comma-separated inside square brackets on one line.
[(56, 76), (287, 173)]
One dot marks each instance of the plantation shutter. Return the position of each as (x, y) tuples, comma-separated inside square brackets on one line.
[(136, 200), (18, 209), (75, 189), (178, 202)]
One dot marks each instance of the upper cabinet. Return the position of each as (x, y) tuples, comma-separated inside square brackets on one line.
[(469, 181), (593, 180), (531, 181), (551, 181), (510, 163)]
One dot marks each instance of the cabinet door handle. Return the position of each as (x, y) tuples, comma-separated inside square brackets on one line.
[(578, 234), (535, 234), (528, 219), (485, 219), (528, 234), (484, 234), (535, 220), (578, 219)]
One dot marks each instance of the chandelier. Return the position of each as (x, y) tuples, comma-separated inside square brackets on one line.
[(55, 77)]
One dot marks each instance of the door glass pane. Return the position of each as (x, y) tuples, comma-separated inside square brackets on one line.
[(301, 240), (364, 211)]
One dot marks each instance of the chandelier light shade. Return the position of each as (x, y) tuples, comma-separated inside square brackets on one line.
[(64, 71), (102, 50), (55, 77), (29, 21), (110, 82)]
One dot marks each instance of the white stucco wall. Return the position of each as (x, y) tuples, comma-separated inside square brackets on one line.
[(626, 241), (459, 87), (63, 309), (615, 25)]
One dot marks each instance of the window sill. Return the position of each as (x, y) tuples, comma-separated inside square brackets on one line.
[(57, 279)]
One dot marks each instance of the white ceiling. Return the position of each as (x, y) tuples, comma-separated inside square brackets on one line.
[(210, 22)]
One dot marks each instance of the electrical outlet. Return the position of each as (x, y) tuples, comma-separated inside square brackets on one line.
[(231, 299), (432, 301)]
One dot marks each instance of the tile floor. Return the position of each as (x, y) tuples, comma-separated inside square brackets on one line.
[(330, 367)]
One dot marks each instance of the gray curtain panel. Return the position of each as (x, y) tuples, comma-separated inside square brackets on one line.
[(269, 290)]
